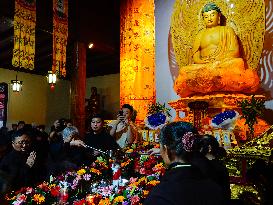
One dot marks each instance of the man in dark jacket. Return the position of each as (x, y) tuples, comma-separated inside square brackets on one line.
[(19, 164), (99, 138)]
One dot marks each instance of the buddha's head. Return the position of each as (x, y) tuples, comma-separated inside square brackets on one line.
[(211, 14)]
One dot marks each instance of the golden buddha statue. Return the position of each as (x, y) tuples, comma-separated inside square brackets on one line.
[(218, 66)]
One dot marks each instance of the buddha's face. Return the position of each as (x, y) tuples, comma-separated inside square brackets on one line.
[(211, 18)]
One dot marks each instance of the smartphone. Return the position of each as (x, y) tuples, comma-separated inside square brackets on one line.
[(120, 112)]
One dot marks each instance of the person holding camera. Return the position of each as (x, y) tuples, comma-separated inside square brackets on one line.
[(124, 130)]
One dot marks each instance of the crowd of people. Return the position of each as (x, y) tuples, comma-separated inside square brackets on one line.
[(195, 170), (29, 154)]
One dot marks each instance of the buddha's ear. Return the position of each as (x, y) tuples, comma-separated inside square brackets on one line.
[(219, 19)]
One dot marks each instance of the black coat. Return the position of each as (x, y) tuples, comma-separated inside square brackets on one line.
[(214, 170), (103, 141), (66, 157), (185, 186), (18, 172)]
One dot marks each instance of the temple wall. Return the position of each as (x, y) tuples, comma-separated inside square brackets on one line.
[(36, 103), (108, 88)]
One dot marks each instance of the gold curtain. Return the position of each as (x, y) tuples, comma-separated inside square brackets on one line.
[(24, 34), (137, 55), (60, 34)]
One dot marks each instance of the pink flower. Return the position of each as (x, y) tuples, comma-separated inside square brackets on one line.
[(135, 199), (142, 170), (187, 141), (132, 180), (22, 197), (75, 183), (29, 190)]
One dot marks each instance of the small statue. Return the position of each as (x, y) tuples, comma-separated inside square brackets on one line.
[(93, 103), (217, 63)]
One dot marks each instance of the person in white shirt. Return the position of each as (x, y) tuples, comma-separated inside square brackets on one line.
[(124, 129)]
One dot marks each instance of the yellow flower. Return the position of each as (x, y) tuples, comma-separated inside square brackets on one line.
[(10, 199), (157, 145), (51, 185), (142, 179), (104, 202), (153, 182), (38, 198), (124, 164), (96, 171), (159, 166), (145, 143), (145, 193), (119, 199), (135, 184), (81, 172), (129, 150)]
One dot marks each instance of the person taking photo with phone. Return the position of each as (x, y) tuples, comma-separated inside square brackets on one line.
[(124, 130)]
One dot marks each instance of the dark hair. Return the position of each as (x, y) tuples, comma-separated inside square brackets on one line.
[(130, 107), (97, 116), (68, 121), (21, 122), (19, 133), (41, 127), (211, 6), (208, 141), (179, 138)]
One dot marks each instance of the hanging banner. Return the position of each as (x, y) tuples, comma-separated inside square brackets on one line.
[(24, 34), (137, 55), (60, 34)]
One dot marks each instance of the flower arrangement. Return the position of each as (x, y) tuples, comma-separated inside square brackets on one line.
[(92, 185), (158, 116), (225, 120)]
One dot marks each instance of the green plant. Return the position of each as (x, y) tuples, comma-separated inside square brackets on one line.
[(251, 109), (157, 107)]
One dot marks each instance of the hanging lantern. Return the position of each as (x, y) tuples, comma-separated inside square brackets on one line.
[(52, 78), (16, 85)]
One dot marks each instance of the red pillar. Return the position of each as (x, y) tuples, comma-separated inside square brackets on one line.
[(78, 88)]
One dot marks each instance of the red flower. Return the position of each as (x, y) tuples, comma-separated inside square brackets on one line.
[(55, 191), (81, 202)]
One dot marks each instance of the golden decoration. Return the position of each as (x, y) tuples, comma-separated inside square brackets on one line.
[(258, 148), (237, 190), (247, 18)]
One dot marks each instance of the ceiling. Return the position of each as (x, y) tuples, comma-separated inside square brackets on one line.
[(93, 21)]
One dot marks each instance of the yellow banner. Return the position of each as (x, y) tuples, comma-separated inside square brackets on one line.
[(60, 34), (137, 55), (24, 34)]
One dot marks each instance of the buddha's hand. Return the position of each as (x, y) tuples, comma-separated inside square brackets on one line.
[(31, 159)]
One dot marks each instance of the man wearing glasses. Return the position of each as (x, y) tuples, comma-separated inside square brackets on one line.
[(19, 163)]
